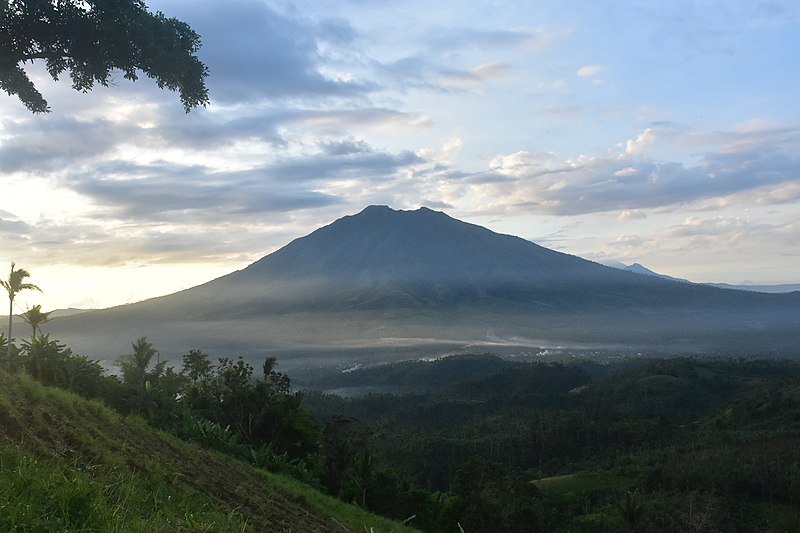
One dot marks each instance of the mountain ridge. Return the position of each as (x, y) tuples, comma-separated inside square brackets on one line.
[(386, 274)]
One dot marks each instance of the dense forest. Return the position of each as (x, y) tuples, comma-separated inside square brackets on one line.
[(478, 443), (679, 444)]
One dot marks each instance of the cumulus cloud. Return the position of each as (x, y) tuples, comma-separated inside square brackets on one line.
[(727, 235), (588, 184), (446, 154), (640, 144)]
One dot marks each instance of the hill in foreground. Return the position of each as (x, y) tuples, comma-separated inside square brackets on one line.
[(71, 464)]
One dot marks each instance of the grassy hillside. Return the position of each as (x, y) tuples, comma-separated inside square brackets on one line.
[(68, 464)]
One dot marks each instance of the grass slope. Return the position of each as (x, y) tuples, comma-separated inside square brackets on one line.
[(68, 464)]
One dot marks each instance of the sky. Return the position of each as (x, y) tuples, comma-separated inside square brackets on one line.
[(664, 133)]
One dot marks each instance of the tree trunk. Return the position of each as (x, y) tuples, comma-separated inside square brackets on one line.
[(10, 316)]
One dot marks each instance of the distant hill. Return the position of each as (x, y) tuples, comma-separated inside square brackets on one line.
[(386, 280), (66, 312), (636, 268), (70, 464), (773, 289)]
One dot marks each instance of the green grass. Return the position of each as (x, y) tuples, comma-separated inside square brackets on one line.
[(350, 517), (67, 464), (50, 495), (577, 486)]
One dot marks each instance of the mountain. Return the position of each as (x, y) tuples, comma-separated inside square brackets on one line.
[(775, 289), (636, 268), (387, 280), (55, 313)]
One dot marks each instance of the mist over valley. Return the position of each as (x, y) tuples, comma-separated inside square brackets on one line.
[(386, 285)]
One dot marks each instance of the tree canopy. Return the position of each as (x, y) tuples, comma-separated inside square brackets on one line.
[(89, 39), (14, 285)]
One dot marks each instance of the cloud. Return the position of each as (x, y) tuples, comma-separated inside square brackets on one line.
[(590, 71), (51, 142), (12, 228), (479, 74), (446, 154), (632, 214), (253, 52), (491, 70), (588, 184), (644, 140), (449, 39), (783, 193), (437, 65), (337, 120), (197, 194), (733, 236), (91, 243), (627, 171), (349, 146)]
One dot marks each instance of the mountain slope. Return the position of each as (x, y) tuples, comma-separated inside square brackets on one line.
[(72, 464), (384, 274)]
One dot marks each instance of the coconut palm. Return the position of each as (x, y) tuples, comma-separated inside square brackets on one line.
[(13, 286), (632, 510), (134, 366), (35, 318)]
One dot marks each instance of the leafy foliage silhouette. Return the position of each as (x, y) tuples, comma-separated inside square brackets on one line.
[(90, 39)]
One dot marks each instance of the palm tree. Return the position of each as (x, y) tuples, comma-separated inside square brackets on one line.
[(13, 286), (134, 366), (632, 510), (35, 318), (362, 473), (143, 353)]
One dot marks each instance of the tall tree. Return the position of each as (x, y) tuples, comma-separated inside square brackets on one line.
[(196, 365), (35, 318), (91, 38), (14, 285), (134, 367)]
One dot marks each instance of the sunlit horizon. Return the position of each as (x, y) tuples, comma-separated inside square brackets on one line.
[(663, 134)]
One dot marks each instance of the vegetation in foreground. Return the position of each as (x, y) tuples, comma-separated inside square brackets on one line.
[(475, 443), (72, 464)]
